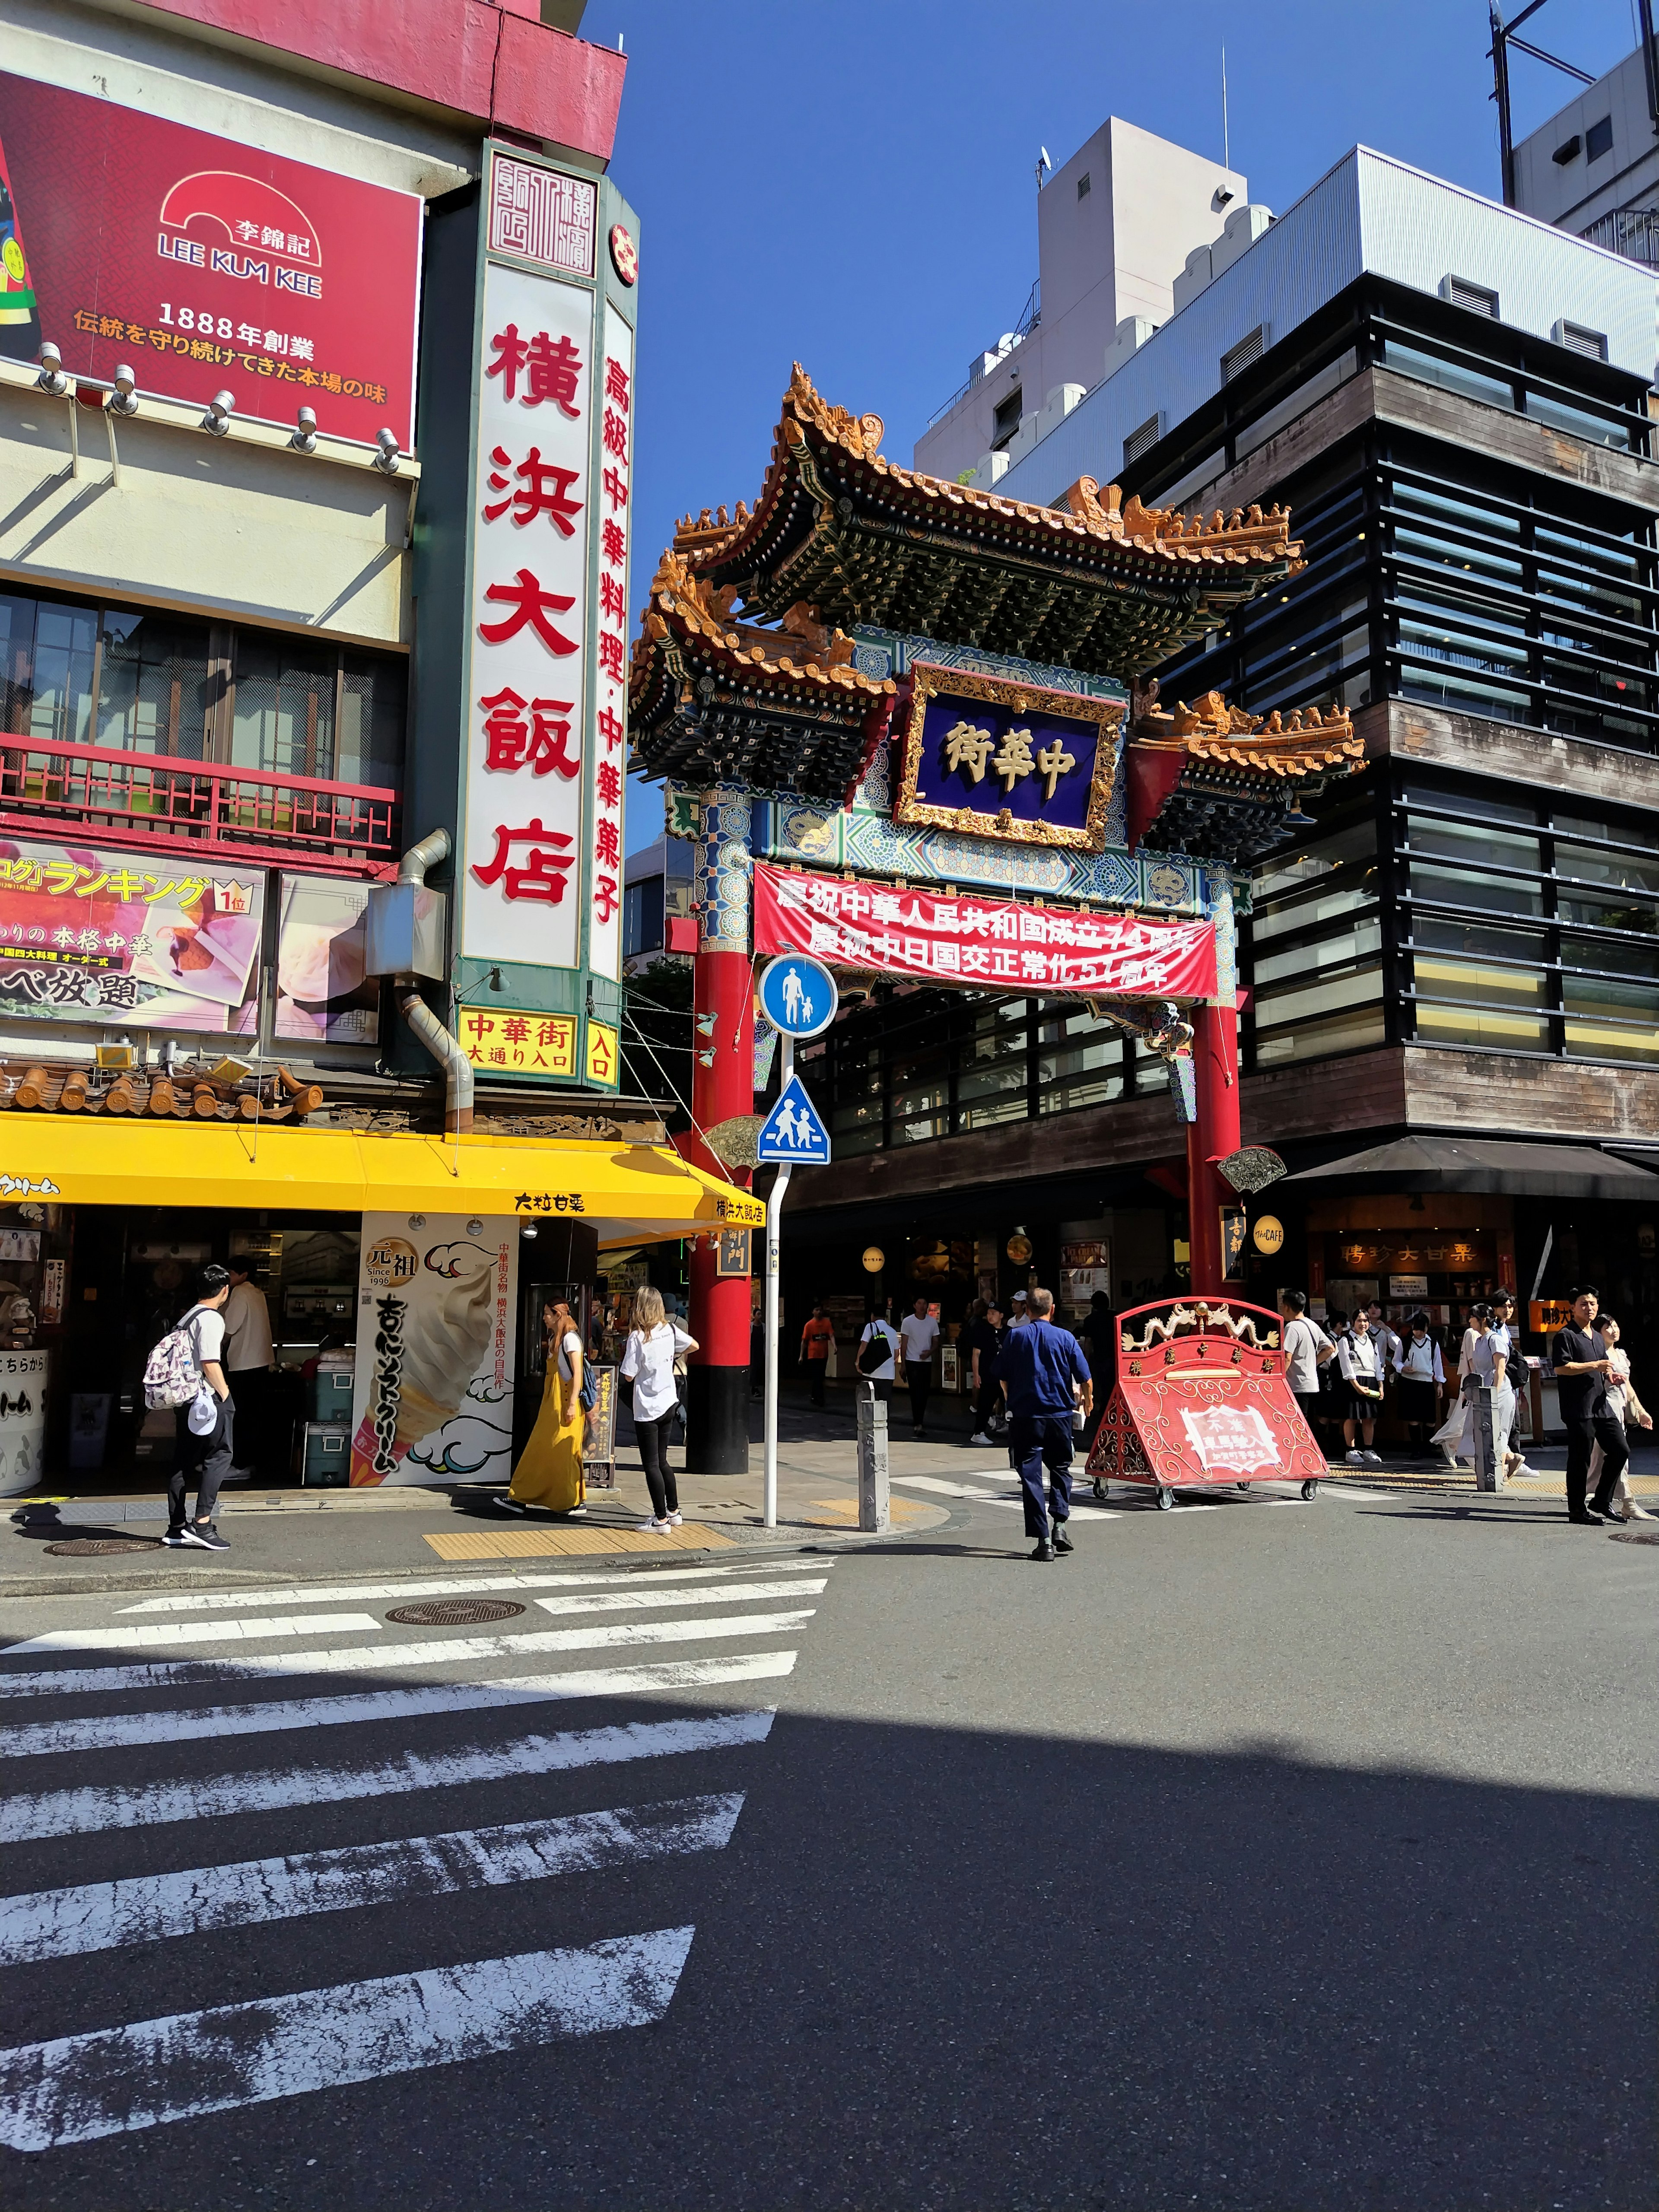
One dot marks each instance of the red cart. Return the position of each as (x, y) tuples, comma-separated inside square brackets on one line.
[(1201, 1402)]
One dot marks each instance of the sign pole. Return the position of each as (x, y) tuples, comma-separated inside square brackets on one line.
[(774, 1213)]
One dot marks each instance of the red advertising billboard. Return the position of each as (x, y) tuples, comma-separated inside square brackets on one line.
[(204, 265)]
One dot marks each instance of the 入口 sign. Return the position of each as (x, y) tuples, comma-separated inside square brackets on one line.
[(517, 1042)]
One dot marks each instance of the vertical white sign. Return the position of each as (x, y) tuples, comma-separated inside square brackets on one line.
[(528, 729), (613, 401)]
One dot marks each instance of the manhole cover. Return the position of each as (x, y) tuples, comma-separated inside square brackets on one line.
[(88, 1548), (454, 1611), (1635, 1535)]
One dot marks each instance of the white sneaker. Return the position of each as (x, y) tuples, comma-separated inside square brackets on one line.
[(1450, 1456), (1356, 1459), (1371, 1459), (676, 1520), (1521, 1467), (982, 1440), (652, 1529)]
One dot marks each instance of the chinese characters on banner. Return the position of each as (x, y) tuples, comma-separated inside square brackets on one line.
[(140, 938), (527, 737), (993, 943), (519, 1043), (614, 399)]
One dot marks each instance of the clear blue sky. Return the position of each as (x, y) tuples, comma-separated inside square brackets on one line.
[(848, 183)]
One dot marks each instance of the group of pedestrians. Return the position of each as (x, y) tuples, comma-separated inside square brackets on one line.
[(1592, 1375)]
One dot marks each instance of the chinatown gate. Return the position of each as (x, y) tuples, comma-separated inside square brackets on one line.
[(906, 723)]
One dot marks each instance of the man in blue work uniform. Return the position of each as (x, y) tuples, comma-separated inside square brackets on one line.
[(1042, 1369)]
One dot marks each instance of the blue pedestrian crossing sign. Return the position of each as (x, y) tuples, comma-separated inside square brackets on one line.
[(793, 1131), (797, 995)]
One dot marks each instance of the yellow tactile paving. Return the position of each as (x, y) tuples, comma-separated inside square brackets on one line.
[(540, 1543), (843, 1512)]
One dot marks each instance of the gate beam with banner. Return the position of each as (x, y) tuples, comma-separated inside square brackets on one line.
[(920, 708)]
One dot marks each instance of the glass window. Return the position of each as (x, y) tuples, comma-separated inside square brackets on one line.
[(1627, 872), (154, 693), (1510, 1032), (1593, 914), (1406, 360), (1318, 1040), (370, 746), (1341, 947), (1079, 1063), (65, 656), (1580, 421), (1645, 833), (283, 717), (1474, 842), (1314, 1000)]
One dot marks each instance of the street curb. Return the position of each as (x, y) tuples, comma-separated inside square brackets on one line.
[(127, 1578)]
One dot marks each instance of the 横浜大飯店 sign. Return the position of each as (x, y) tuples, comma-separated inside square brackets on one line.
[(990, 944), (996, 758)]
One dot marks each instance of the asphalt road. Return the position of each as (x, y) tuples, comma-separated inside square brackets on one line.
[(1274, 1855)]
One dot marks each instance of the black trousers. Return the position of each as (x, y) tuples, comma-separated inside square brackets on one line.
[(985, 1403), (1583, 1435), (652, 1437), (250, 1392), (815, 1369), (920, 1381), (1034, 1438), (201, 1464)]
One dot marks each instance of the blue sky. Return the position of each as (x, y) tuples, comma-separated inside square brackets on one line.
[(851, 186)]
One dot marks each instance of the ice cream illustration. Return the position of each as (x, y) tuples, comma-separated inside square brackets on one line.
[(429, 1345)]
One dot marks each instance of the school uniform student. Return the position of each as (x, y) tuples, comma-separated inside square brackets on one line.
[(1422, 1374), (1359, 1364)]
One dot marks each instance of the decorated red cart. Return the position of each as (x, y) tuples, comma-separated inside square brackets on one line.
[(1201, 1402)]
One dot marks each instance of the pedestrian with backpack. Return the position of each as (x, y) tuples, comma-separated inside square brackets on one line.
[(186, 1372), (877, 1349)]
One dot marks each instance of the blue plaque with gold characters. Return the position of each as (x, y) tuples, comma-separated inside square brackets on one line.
[(996, 758)]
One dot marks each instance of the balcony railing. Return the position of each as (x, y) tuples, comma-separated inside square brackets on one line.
[(1632, 232), (79, 793)]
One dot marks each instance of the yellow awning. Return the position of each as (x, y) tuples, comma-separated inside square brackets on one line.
[(627, 1192)]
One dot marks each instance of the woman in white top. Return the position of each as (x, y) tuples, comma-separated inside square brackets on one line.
[(653, 1345), (1622, 1402), (1484, 1359), (877, 1329), (550, 1473), (1359, 1362)]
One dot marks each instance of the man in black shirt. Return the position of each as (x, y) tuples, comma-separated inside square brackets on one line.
[(984, 1342), (1580, 1360)]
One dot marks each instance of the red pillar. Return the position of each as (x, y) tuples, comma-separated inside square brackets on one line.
[(1212, 1136), (717, 1399)]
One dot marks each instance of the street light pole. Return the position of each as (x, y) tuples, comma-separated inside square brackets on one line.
[(774, 1214)]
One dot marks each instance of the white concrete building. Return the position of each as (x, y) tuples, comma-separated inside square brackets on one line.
[(1127, 229), (1594, 167)]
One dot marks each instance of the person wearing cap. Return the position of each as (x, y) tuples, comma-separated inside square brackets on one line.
[(1044, 1373), (1019, 1314)]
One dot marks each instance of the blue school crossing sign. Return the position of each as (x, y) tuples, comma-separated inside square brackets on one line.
[(793, 1132), (797, 995)]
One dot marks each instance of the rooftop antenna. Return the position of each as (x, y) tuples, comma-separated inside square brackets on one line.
[(1226, 160), (1043, 162)]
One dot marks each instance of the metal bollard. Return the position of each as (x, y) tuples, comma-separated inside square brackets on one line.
[(1488, 1475), (873, 1494)]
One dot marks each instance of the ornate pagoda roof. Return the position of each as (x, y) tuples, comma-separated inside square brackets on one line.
[(711, 697), (1093, 583), (1209, 778)]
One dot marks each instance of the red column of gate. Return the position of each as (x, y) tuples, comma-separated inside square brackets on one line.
[(1212, 1136), (717, 1408)]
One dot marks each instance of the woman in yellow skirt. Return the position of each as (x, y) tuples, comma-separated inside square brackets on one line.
[(550, 1473)]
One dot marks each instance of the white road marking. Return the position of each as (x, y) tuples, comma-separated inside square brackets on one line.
[(149, 1635), (187, 2065), (55, 1923), (981, 1497), (451, 1650), (119, 1730), (646, 1600), (452, 1586), (84, 1812)]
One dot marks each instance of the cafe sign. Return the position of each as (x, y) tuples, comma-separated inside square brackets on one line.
[(993, 758)]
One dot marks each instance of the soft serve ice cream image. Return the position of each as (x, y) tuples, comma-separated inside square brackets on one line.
[(433, 1346)]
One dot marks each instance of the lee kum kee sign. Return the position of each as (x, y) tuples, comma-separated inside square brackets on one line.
[(991, 942)]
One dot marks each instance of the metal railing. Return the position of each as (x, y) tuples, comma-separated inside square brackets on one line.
[(52, 789), (1030, 316), (1632, 232)]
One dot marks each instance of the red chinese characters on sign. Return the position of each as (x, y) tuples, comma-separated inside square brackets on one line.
[(551, 370), (615, 426), (541, 742), (534, 496), (531, 605), (544, 872)]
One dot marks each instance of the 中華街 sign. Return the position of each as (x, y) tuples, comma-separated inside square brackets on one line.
[(995, 758)]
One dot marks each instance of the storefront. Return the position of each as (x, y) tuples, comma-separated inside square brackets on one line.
[(404, 1277)]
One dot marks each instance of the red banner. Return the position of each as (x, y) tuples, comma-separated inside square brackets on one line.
[(990, 943), (206, 266)]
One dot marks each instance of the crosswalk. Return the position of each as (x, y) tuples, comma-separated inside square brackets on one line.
[(128, 1742)]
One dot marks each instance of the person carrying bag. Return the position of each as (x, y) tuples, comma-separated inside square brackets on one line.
[(657, 1349)]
